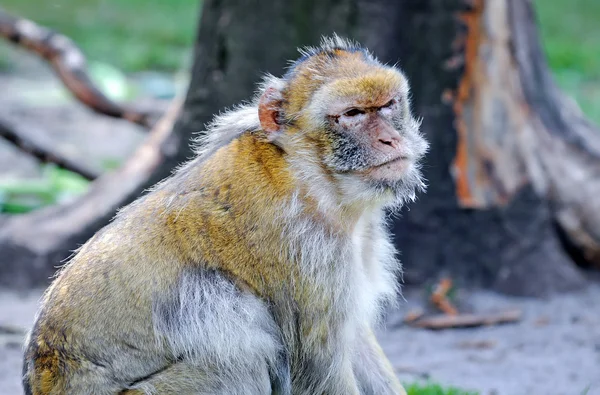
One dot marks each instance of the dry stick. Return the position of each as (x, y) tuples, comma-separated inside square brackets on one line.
[(13, 133), (69, 63), (444, 321), (439, 297)]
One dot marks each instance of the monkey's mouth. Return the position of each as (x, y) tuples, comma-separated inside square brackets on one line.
[(391, 162), (392, 169)]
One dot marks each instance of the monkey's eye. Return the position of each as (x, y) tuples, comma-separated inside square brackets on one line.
[(389, 104), (353, 112)]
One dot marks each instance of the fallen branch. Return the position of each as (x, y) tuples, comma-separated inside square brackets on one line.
[(444, 321), (413, 316), (34, 143), (33, 244), (69, 63)]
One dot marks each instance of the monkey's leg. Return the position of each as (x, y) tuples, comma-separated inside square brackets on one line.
[(325, 374), (189, 378), (224, 338), (373, 370)]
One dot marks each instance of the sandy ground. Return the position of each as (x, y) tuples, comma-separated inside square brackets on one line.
[(553, 350)]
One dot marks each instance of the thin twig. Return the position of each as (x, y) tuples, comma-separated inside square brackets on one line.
[(439, 297), (43, 151)]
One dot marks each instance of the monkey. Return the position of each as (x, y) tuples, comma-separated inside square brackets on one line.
[(261, 266)]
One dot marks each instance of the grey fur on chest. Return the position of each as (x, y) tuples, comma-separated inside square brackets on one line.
[(198, 315)]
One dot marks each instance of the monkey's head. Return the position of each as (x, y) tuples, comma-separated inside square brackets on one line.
[(343, 116)]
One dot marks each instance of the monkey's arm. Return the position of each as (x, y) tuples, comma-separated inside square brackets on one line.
[(373, 370)]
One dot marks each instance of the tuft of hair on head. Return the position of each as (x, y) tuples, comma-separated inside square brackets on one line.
[(329, 44), (327, 49), (244, 118)]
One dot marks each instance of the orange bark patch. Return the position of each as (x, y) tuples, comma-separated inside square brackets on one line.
[(472, 39)]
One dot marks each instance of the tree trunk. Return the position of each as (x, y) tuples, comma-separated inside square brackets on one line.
[(480, 83), (508, 157)]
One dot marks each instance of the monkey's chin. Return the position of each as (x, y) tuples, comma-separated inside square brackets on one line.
[(393, 170), (395, 182), (389, 185)]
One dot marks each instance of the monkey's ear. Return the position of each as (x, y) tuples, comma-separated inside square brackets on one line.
[(269, 111)]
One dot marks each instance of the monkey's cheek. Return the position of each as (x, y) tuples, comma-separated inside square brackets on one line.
[(392, 171)]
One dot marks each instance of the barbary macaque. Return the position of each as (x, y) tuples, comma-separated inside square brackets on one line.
[(261, 266)]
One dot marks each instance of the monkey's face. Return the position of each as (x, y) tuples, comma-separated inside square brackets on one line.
[(346, 116), (369, 139)]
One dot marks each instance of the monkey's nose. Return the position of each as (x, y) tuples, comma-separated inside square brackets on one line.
[(388, 142), (387, 139), (392, 142)]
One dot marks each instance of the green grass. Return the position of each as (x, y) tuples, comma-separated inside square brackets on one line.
[(435, 389), (570, 31), (129, 34)]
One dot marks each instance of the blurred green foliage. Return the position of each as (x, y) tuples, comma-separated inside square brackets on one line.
[(130, 34), (57, 185), (434, 389), (570, 31)]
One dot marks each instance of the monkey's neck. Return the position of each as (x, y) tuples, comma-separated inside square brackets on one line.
[(250, 193), (325, 201), (268, 178)]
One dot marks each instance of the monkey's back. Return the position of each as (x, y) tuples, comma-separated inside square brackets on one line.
[(97, 315)]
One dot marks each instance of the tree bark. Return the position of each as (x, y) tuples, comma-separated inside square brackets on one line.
[(480, 82)]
